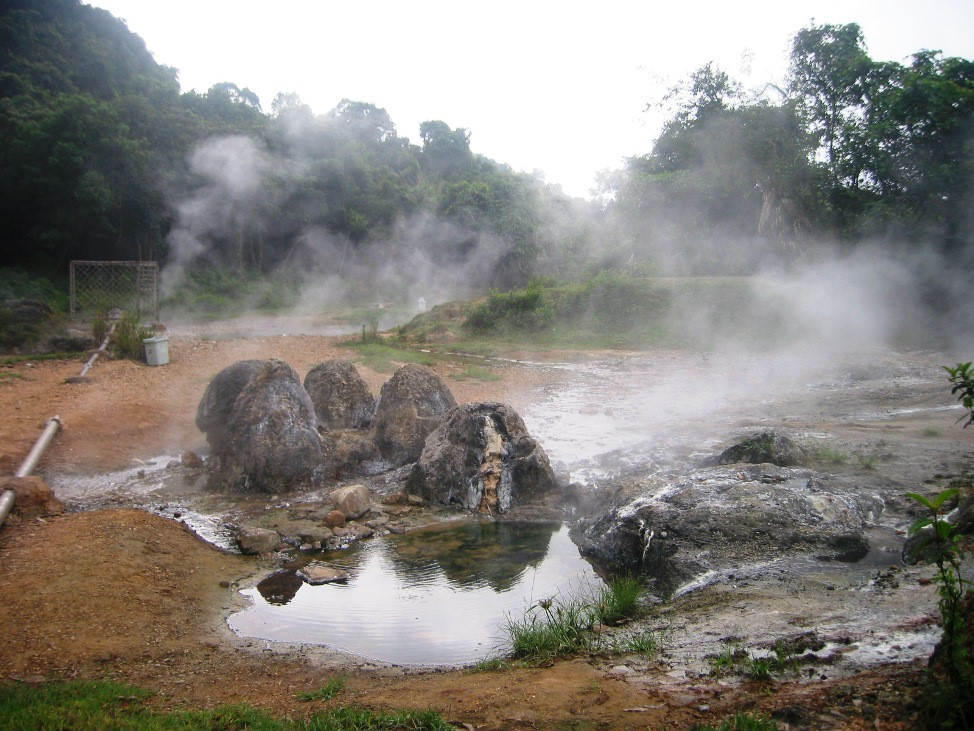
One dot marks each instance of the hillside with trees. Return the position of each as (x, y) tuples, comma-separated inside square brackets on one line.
[(102, 157)]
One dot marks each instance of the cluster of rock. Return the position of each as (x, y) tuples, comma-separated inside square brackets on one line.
[(345, 515), (270, 433)]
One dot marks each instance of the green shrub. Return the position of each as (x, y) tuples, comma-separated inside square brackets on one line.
[(128, 337)]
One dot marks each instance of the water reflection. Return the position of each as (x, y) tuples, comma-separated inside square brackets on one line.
[(437, 596)]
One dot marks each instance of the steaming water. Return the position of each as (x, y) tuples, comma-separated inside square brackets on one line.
[(439, 596)]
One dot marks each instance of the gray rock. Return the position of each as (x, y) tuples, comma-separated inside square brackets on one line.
[(341, 397), (214, 408), (352, 500), (724, 518), (411, 405), (318, 572), (482, 458), (272, 442), (255, 541), (764, 448)]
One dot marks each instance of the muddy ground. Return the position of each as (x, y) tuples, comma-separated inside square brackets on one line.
[(131, 596)]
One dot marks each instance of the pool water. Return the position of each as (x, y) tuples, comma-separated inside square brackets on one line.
[(438, 596)]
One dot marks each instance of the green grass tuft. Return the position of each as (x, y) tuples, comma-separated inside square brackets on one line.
[(326, 692)]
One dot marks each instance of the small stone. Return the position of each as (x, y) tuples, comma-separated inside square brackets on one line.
[(334, 519), (352, 500), (258, 540), (192, 460)]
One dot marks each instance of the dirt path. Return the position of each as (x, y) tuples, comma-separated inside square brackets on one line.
[(127, 595)]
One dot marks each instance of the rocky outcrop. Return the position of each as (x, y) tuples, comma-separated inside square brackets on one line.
[(764, 448), (341, 397), (271, 442), (411, 405), (723, 518), (214, 408), (318, 572), (482, 458)]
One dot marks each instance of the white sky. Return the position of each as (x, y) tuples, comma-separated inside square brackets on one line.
[(560, 86)]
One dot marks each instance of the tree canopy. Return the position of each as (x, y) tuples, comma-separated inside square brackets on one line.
[(102, 157)]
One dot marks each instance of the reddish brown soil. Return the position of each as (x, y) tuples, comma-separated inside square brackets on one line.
[(130, 596)]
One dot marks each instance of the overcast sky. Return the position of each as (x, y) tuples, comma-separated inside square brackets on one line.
[(554, 86)]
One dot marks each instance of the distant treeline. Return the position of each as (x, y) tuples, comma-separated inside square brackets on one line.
[(102, 157)]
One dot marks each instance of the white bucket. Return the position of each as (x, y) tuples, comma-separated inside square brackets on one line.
[(156, 350)]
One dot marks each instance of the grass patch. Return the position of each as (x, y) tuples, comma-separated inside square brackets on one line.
[(560, 628), (475, 373), (618, 600), (383, 358), (553, 628), (931, 431), (742, 722), (491, 665), (326, 692), (828, 453), (7, 376), (90, 706), (9, 360)]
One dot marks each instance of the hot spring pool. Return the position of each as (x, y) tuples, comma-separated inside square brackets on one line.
[(438, 596)]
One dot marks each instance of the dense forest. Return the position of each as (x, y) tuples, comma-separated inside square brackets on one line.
[(102, 157)]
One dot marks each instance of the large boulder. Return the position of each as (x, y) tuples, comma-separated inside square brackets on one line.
[(341, 397), (271, 443), (214, 408), (411, 405), (482, 458), (721, 520)]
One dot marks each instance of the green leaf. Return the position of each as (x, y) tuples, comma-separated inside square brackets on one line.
[(923, 500), (944, 497), (919, 525)]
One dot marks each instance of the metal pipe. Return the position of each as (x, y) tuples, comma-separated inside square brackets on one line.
[(6, 503), (28, 465), (101, 349)]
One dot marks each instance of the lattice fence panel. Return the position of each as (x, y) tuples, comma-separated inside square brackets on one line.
[(97, 287)]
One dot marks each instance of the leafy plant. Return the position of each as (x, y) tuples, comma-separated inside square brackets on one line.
[(943, 541), (963, 386)]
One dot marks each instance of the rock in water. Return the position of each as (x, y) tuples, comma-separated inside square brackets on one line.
[(318, 572), (272, 442), (214, 409), (481, 457), (411, 405), (341, 397)]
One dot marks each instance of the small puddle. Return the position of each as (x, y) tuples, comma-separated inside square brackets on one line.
[(437, 596)]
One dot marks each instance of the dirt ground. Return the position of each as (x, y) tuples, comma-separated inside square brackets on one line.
[(126, 595)]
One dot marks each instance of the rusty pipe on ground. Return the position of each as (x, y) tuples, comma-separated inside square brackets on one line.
[(101, 349), (29, 463)]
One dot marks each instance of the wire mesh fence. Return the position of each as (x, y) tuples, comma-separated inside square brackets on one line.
[(99, 287)]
